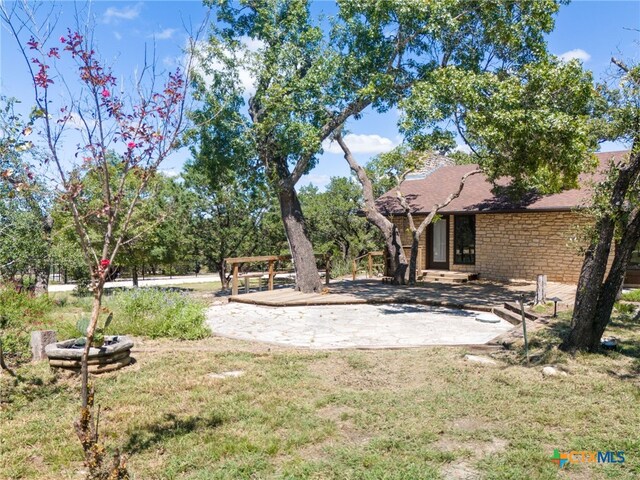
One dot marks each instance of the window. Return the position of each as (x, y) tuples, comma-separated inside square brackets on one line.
[(464, 240)]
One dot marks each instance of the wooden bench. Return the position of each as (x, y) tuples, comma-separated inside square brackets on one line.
[(271, 261), (247, 279)]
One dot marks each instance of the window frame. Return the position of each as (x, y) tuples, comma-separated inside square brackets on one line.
[(455, 239)]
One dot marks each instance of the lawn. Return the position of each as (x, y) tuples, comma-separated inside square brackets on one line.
[(392, 414)]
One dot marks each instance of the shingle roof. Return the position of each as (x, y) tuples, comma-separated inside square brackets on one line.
[(478, 197)]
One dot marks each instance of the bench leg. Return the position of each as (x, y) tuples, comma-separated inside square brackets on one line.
[(246, 285)]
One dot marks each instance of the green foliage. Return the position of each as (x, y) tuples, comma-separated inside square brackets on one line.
[(625, 308), (632, 296), (82, 326), (19, 314), (24, 223), (157, 313), (333, 221), (156, 234), (237, 217), (310, 80), (531, 123), (82, 286)]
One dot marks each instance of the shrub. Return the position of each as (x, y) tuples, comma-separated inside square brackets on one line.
[(156, 313), (625, 308), (82, 287), (19, 314)]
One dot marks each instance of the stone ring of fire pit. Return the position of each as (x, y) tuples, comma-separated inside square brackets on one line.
[(114, 354)]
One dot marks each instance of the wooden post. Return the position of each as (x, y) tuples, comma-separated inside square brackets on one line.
[(370, 265), (524, 328), (353, 269), (270, 286), (541, 289), (234, 282), (327, 272)]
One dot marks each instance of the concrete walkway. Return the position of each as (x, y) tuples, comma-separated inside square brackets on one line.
[(352, 326), (151, 282)]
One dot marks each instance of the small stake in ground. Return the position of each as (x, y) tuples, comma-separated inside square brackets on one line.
[(524, 328)]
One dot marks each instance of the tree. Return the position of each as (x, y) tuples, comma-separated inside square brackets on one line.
[(25, 232), (531, 123), (473, 39), (309, 81), (418, 230), (333, 219), (227, 217), (143, 128), (156, 234), (393, 242), (616, 209)]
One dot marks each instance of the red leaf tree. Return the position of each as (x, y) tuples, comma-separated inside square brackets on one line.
[(139, 130)]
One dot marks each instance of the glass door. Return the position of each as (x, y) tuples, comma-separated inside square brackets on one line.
[(439, 244)]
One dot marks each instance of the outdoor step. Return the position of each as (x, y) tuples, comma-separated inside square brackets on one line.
[(440, 279), (449, 274), (515, 307), (508, 315)]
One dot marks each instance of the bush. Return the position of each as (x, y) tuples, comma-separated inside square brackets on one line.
[(19, 314), (625, 308), (156, 313), (82, 287)]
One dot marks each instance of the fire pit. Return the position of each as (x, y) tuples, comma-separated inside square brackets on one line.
[(112, 355)]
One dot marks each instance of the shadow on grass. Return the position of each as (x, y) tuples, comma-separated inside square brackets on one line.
[(29, 387), (546, 342), (170, 426)]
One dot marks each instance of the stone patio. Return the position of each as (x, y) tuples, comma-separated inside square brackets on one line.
[(352, 326)]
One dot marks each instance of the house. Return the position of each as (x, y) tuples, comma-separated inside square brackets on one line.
[(494, 236)]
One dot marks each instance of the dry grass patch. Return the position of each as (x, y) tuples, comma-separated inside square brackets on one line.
[(393, 414)]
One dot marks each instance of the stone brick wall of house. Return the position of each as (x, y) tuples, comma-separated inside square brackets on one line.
[(516, 245), (523, 245)]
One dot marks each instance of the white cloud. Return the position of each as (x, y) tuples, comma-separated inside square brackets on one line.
[(118, 35), (76, 121), (318, 180), (462, 148), (170, 172), (124, 13), (165, 34), (576, 53), (361, 144), (245, 74)]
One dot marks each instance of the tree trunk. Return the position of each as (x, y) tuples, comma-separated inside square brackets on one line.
[(397, 260), (42, 271), (134, 276), (393, 243), (95, 314), (541, 290), (223, 276), (588, 328), (304, 260), (42, 281), (595, 299), (413, 259)]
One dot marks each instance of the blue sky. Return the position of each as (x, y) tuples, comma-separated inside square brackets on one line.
[(592, 31)]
